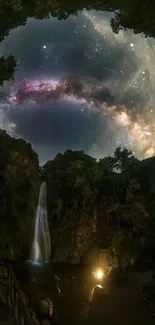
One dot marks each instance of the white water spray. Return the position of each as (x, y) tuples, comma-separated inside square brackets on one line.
[(41, 247)]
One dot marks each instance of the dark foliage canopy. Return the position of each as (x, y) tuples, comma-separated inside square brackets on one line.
[(136, 15)]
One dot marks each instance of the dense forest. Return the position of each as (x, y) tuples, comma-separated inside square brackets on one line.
[(93, 206), (19, 186), (136, 15), (100, 206)]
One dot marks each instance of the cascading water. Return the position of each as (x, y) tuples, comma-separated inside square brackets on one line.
[(41, 247)]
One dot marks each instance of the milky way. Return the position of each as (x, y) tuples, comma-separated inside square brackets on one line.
[(83, 92), (109, 78)]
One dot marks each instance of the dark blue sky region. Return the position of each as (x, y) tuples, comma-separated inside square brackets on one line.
[(117, 87)]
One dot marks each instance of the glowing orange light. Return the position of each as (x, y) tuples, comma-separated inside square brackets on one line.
[(99, 274)]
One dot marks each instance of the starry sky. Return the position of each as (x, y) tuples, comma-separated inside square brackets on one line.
[(80, 86)]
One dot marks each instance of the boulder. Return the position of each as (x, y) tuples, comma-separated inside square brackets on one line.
[(45, 322), (33, 316), (3, 299), (3, 272), (45, 306), (118, 276), (24, 298)]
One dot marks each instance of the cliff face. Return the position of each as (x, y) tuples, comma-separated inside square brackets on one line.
[(90, 205), (70, 205), (19, 179)]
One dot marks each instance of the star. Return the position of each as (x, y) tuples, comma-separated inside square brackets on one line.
[(89, 74)]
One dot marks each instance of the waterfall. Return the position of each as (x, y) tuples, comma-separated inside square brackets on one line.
[(41, 247)]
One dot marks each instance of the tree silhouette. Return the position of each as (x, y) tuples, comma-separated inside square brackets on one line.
[(7, 68), (136, 15)]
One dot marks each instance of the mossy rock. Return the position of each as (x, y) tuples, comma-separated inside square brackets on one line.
[(45, 306), (3, 272), (24, 298)]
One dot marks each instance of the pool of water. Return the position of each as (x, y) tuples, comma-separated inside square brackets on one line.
[(69, 287), (77, 297)]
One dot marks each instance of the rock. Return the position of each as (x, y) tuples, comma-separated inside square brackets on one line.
[(33, 316), (24, 298), (45, 322), (2, 297), (92, 254), (82, 303), (46, 306), (58, 288)]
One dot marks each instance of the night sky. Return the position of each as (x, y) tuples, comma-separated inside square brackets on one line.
[(80, 87)]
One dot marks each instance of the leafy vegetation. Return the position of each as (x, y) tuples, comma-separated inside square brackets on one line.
[(101, 204), (19, 179)]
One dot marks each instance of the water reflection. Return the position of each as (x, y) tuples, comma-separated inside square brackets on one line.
[(71, 289)]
